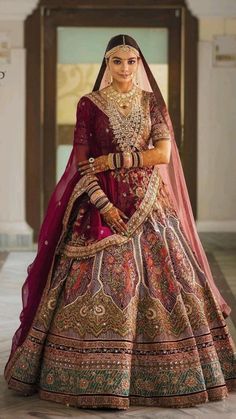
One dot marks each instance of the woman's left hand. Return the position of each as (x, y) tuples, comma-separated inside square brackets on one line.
[(100, 164)]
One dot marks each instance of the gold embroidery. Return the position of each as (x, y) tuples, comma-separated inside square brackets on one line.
[(131, 132), (133, 223)]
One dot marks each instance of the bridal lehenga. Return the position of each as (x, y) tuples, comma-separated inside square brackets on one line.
[(125, 320)]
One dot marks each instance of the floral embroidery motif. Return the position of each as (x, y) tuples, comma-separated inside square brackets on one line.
[(129, 323), (135, 221), (159, 128), (126, 320)]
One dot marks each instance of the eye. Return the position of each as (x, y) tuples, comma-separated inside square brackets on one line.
[(131, 62), (116, 61)]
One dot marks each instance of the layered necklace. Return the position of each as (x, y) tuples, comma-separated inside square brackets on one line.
[(122, 99), (128, 129)]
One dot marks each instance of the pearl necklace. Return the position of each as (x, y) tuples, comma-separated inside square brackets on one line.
[(123, 99)]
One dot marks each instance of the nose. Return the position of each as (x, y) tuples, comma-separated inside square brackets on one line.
[(124, 67)]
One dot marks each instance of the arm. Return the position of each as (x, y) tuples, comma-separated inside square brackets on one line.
[(160, 154), (159, 134), (97, 197), (82, 138)]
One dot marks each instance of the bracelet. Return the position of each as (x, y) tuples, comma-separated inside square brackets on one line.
[(140, 156), (125, 159), (106, 208), (111, 161), (97, 196)]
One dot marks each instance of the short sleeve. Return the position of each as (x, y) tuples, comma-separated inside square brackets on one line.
[(83, 127), (159, 128)]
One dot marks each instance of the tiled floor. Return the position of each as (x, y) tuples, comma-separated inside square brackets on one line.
[(221, 252)]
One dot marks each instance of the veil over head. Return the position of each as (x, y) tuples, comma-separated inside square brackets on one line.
[(51, 228), (171, 173)]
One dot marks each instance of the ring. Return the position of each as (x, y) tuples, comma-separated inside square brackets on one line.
[(91, 159)]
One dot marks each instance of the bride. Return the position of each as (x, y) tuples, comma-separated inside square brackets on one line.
[(119, 305)]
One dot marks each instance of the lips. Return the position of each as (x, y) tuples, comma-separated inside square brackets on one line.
[(124, 75)]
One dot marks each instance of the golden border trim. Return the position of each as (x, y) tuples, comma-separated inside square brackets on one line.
[(98, 100), (134, 222)]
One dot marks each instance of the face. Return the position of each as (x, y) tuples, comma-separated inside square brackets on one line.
[(123, 66)]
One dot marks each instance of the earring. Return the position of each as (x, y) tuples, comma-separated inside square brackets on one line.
[(136, 79), (108, 77)]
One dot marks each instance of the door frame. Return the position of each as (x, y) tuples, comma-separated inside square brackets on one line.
[(41, 141)]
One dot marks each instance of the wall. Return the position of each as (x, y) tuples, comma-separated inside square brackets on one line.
[(216, 120), (216, 134), (14, 231)]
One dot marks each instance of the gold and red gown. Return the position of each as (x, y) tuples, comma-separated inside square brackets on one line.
[(125, 320)]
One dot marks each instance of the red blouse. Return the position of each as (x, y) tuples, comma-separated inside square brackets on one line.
[(125, 188)]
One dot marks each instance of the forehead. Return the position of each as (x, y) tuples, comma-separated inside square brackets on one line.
[(124, 55)]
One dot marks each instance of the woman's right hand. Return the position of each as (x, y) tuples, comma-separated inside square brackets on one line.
[(113, 217)]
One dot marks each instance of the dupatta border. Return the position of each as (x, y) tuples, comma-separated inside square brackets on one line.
[(99, 101), (135, 221)]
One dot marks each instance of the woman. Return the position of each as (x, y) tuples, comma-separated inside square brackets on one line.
[(120, 307)]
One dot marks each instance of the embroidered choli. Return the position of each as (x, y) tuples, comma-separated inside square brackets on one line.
[(126, 189)]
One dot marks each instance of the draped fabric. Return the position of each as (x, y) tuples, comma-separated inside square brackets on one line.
[(83, 146), (124, 320)]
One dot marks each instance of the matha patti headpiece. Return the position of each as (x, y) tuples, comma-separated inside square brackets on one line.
[(123, 47)]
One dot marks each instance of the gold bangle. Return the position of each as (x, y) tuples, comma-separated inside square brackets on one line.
[(127, 159), (96, 195), (110, 161), (106, 208), (140, 158)]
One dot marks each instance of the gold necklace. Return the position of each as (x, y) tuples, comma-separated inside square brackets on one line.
[(123, 99)]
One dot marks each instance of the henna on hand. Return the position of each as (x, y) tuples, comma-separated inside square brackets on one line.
[(100, 164), (113, 218)]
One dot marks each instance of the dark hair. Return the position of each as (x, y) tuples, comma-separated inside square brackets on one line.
[(119, 40)]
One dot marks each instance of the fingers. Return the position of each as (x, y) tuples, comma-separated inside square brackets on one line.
[(115, 222), (86, 172), (87, 168), (116, 227), (119, 225), (95, 168), (81, 163), (123, 215), (85, 164)]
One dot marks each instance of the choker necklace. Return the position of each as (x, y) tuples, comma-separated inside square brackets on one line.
[(123, 99)]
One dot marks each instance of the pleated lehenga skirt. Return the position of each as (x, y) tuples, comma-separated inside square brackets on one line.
[(135, 324)]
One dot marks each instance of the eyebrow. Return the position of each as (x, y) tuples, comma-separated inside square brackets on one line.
[(131, 58)]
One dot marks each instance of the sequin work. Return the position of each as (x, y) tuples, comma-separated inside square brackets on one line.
[(127, 129), (125, 320)]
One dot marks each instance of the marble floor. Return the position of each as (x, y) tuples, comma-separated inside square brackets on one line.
[(221, 253)]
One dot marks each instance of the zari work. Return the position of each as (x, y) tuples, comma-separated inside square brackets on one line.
[(125, 320)]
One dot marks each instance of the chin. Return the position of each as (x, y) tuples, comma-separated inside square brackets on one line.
[(121, 79)]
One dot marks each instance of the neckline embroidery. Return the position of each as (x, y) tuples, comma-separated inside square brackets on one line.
[(131, 131)]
